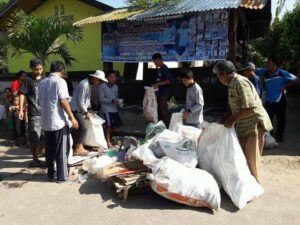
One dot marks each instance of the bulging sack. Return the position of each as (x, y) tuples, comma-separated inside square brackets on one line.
[(220, 154), (150, 105), (175, 147), (189, 186), (95, 135)]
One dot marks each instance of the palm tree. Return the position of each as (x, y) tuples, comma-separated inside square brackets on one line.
[(41, 36)]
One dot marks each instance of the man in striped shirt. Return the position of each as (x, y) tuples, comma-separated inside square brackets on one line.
[(248, 114)]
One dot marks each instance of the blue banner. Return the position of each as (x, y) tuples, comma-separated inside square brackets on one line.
[(203, 36)]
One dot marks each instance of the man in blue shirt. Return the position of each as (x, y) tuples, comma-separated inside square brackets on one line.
[(163, 83), (249, 72), (276, 81)]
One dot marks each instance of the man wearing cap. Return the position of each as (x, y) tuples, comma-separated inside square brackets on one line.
[(248, 114), (277, 81), (80, 104), (249, 72)]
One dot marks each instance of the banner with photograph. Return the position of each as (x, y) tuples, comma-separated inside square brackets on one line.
[(203, 36)]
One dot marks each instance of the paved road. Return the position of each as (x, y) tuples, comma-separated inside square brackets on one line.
[(27, 198)]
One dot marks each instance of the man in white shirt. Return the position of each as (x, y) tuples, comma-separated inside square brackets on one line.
[(53, 99), (81, 104)]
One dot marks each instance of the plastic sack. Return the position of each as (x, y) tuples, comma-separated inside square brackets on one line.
[(189, 186), (190, 132), (150, 105), (95, 135), (270, 142), (176, 147), (95, 165), (145, 154), (176, 121), (220, 153)]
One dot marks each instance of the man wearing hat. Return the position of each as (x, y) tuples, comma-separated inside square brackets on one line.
[(248, 71), (80, 104), (247, 113)]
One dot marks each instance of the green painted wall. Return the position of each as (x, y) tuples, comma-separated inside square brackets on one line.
[(86, 52)]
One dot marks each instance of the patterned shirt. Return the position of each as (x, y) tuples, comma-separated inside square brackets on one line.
[(242, 95)]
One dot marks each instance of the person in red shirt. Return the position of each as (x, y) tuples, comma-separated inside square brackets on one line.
[(15, 86)]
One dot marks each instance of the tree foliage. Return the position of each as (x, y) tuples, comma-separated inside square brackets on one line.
[(41, 36), (282, 40), (3, 52)]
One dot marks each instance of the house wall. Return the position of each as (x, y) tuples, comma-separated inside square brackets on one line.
[(87, 52)]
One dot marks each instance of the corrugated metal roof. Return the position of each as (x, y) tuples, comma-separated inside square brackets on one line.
[(118, 14), (188, 6), (173, 8)]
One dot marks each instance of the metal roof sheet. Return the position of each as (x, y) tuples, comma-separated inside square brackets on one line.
[(118, 14), (189, 6), (173, 8)]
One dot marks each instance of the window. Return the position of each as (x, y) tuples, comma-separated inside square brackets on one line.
[(62, 10), (56, 10)]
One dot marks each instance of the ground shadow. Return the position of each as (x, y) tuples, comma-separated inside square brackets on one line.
[(149, 200)]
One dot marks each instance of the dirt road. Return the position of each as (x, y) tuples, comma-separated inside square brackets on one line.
[(28, 198)]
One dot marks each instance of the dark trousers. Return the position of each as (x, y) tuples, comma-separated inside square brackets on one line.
[(278, 109), (80, 133), (57, 150), (163, 109)]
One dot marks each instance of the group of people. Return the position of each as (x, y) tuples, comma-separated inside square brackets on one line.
[(248, 115), (48, 112), (44, 107)]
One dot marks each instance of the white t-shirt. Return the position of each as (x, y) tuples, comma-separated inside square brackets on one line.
[(52, 90)]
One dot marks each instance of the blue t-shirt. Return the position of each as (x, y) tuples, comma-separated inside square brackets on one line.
[(257, 84), (163, 74), (275, 82)]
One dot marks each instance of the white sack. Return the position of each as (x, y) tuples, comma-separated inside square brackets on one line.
[(190, 186), (95, 135), (190, 132), (150, 105), (220, 153)]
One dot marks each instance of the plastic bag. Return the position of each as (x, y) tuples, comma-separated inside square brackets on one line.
[(270, 142), (154, 129), (95, 135), (219, 152), (176, 121), (95, 165), (150, 105), (189, 186), (145, 154)]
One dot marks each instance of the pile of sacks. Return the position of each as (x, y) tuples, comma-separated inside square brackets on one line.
[(173, 155)]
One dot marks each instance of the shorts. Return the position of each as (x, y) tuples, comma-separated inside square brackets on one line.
[(112, 119), (35, 133)]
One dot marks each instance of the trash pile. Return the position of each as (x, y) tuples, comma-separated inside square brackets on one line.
[(166, 160)]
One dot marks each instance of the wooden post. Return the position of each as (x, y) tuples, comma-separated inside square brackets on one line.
[(232, 36)]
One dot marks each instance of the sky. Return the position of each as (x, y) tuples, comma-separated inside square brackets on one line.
[(288, 4)]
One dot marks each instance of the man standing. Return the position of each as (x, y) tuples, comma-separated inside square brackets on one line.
[(30, 89), (109, 98), (193, 115), (81, 103), (54, 102), (15, 86), (248, 115), (163, 83), (276, 81), (249, 72)]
